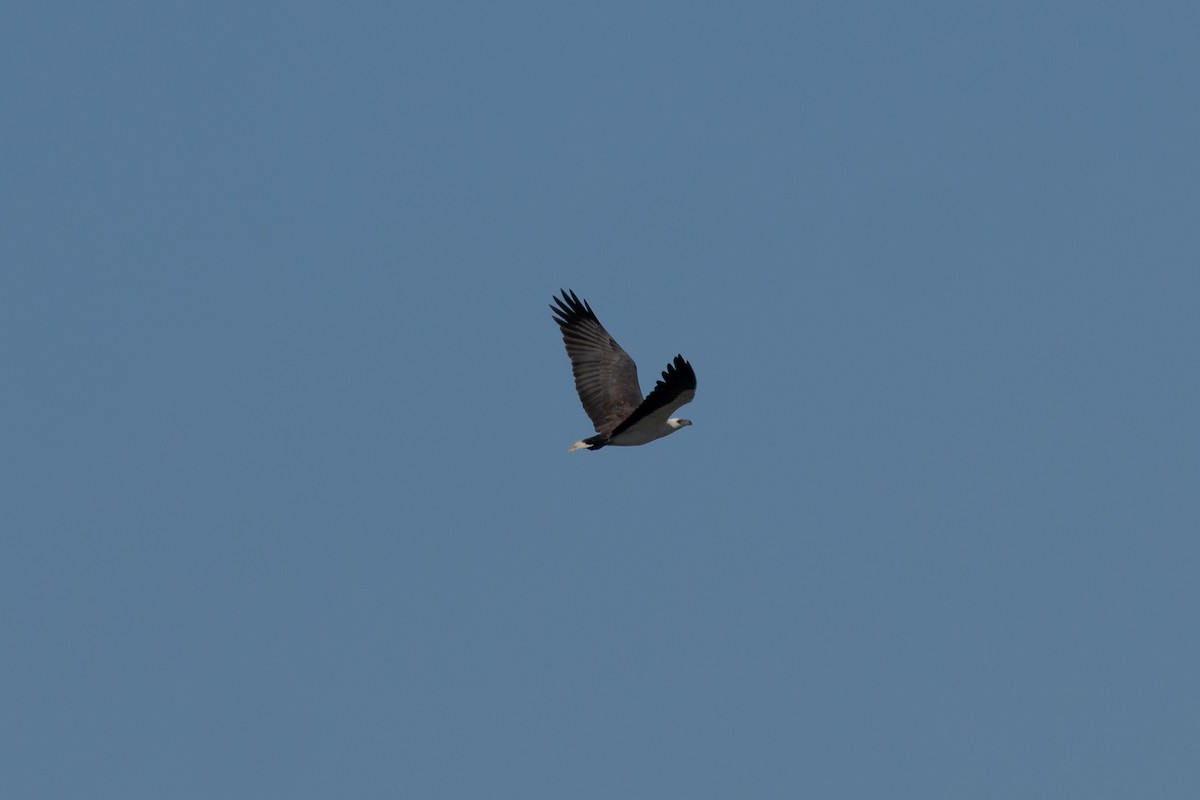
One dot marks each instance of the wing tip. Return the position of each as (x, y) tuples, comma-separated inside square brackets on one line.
[(570, 309), (680, 369)]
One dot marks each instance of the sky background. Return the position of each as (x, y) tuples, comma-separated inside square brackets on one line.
[(287, 507)]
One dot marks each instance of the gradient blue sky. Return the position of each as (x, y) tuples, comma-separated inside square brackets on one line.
[(287, 508)]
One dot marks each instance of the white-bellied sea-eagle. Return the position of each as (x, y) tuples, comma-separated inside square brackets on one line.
[(607, 381)]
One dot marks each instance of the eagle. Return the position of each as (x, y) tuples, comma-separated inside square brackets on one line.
[(607, 382)]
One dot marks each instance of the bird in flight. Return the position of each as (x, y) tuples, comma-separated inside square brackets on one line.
[(607, 381)]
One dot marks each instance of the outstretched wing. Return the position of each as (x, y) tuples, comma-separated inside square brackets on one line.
[(677, 388), (605, 376)]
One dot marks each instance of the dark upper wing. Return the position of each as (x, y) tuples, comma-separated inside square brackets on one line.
[(677, 388), (605, 376)]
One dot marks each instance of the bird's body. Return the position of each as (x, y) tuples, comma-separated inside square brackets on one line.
[(607, 383)]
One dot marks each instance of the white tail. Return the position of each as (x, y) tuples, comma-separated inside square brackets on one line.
[(580, 445)]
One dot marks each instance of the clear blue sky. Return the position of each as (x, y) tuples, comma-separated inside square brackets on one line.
[(287, 506)]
